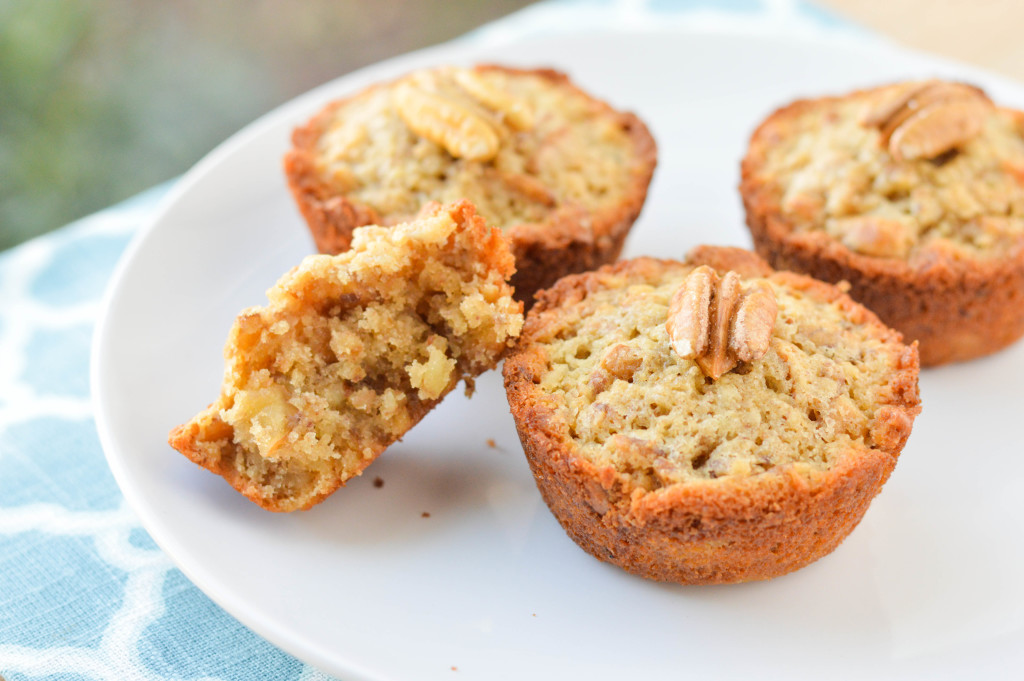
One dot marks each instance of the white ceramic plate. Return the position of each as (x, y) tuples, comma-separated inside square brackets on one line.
[(364, 587)]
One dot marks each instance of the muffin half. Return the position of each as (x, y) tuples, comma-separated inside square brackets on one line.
[(914, 194), (710, 421), (562, 174), (351, 352)]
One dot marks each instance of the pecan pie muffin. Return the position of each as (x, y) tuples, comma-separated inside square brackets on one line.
[(352, 351), (914, 194), (710, 421), (562, 174)]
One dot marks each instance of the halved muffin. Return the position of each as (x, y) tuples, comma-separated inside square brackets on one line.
[(914, 194), (562, 174), (709, 421), (351, 352)]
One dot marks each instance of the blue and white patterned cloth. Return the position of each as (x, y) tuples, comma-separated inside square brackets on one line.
[(84, 592)]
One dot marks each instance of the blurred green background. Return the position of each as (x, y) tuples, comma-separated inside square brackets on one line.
[(100, 99)]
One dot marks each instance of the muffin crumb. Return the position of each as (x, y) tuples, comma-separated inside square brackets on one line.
[(351, 352)]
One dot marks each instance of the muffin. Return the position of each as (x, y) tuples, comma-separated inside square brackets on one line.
[(710, 421), (351, 352), (562, 174), (914, 194)]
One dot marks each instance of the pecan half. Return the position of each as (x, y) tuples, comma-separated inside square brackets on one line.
[(718, 323), (926, 120), (515, 111), (460, 110), (444, 121)]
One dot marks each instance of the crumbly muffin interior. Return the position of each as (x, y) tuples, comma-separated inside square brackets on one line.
[(575, 153), (353, 349), (829, 169), (632, 403)]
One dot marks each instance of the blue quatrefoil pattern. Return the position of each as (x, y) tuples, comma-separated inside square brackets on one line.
[(84, 592)]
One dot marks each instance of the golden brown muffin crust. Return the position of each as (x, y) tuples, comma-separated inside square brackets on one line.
[(650, 513)]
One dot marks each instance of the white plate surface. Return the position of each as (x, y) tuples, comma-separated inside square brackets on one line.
[(364, 587)]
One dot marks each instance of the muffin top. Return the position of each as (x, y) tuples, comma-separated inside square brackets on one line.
[(520, 145), (912, 171), (606, 362)]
